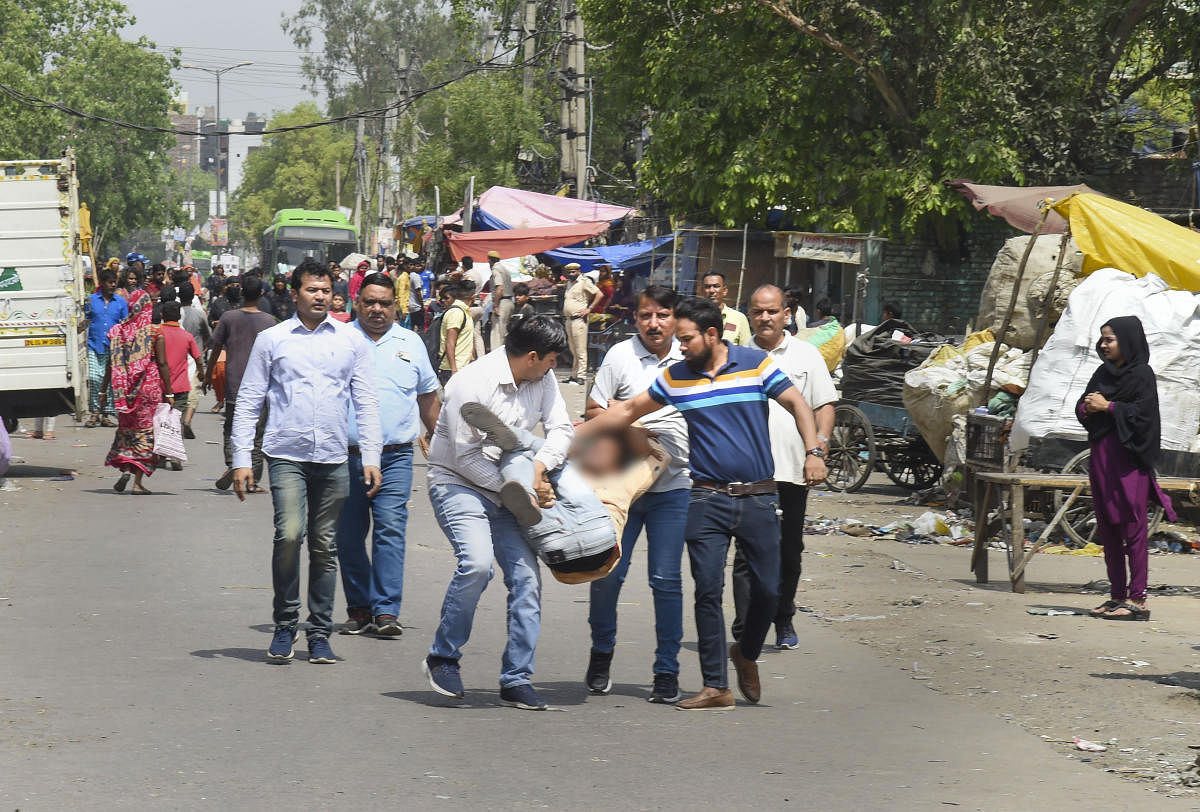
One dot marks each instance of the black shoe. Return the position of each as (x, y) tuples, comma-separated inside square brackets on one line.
[(225, 480), (188, 434), (666, 689), (523, 697), (597, 678)]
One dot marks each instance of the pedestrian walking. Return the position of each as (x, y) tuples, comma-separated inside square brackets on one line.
[(407, 389), (308, 370), (416, 293), (457, 329), (180, 348), (281, 299), (736, 328), (1119, 409), (138, 379), (805, 366), (516, 383), (104, 310), (628, 369), (721, 390), (579, 301), (195, 322), (234, 336)]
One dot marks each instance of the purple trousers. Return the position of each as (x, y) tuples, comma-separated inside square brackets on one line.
[(1121, 542)]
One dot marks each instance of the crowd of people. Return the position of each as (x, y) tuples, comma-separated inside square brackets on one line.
[(707, 426)]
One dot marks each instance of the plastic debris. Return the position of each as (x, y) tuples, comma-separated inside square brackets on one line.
[(1089, 747), (1052, 611)]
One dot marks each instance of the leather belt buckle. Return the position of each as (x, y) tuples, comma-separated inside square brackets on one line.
[(739, 488)]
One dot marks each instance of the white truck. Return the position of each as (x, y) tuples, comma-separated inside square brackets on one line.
[(43, 346)]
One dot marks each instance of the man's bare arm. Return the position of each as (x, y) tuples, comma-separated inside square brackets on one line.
[(619, 415)]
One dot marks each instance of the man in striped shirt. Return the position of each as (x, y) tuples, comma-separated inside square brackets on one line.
[(722, 390)]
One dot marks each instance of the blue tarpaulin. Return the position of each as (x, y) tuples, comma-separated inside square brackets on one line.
[(422, 220), (633, 257)]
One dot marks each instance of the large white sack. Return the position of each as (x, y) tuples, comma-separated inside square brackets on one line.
[(1172, 324), (997, 290)]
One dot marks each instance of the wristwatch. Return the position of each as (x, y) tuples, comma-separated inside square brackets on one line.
[(816, 452)]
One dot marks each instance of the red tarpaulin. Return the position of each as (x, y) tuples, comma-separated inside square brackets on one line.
[(519, 241), (1018, 205)]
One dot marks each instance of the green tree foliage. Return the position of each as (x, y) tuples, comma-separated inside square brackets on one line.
[(851, 114), (295, 169), (71, 51)]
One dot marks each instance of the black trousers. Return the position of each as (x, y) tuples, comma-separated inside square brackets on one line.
[(793, 501)]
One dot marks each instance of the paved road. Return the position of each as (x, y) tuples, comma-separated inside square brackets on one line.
[(134, 630)]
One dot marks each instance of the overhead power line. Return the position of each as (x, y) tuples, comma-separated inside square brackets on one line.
[(401, 105)]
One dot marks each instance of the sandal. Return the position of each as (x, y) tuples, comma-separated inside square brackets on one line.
[(139, 491), (108, 422), (92, 421), (122, 481), (256, 489), (1131, 613), (1104, 608)]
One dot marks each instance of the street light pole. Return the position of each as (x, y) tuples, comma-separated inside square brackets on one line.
[(218, 72)]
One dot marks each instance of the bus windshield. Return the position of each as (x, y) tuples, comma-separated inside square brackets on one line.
[(290, 253)]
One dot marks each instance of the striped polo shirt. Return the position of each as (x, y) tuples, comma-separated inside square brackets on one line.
[(728, 430)]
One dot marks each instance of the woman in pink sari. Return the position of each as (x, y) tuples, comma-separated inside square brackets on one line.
[(137, 368)]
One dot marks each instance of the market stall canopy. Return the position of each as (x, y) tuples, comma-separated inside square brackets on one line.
[(520, 241), (507, 208), (1020, 206), (1112, 234), (632, 257)]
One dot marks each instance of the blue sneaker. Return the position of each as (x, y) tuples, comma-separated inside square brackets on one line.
[(785, 636), (319, 650), (523, 697), (443, 676), (282, 644)]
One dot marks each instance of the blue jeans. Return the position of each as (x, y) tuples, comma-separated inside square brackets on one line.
[(377, 584), (713, 518), (481, 531), (307, 497), (664, 516), (577, 515)]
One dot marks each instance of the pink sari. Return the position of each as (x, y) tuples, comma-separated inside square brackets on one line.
[(137, 387)]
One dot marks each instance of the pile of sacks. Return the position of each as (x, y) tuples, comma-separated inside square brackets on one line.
[(950, 382), (1032, 295)]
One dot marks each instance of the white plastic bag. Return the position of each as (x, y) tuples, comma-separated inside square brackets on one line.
[(168, 433)]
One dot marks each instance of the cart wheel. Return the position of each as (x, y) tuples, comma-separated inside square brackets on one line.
[(852, 456), (913, 466), (1080, 521)]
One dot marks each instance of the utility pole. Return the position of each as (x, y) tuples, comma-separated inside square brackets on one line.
[(337, 184), (566, 86), (360, 160), (222, 173), (529, 41), (579, 100)]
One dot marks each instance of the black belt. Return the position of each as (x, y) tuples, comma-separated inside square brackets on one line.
[(356, 451), (502, 298), (580, 316), (760, 488)]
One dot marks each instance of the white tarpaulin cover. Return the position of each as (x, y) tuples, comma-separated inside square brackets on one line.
[(1172, 325)]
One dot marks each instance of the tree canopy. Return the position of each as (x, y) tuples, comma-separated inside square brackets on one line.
[(851, 114), (72, 51)]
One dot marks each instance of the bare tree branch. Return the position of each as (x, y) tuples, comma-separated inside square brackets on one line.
[(1155, 71), (1118, 39), (891, 98)]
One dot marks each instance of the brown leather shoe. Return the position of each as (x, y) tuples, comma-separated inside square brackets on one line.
[(747, 675), (709, 699)]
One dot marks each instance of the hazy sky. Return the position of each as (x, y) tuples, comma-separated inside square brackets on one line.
[(218, 33)]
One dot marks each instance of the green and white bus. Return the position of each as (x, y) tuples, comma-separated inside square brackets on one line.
[(323, 235)]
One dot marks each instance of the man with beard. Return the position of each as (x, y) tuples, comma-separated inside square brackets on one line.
[(628, 369), (722, 390)]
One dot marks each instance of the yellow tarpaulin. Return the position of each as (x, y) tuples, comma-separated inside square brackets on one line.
[(1112, 234)]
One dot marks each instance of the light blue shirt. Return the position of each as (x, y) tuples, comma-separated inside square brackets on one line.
[(308, 379), (402, 371)]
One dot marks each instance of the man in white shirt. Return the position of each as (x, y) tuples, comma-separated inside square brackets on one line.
[(515, 382), (804, 365), (628, 369), (737, 328)]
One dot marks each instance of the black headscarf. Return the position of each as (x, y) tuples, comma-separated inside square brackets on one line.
[(1133, 391)]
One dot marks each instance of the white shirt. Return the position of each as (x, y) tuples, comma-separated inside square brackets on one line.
[(628, 369), (805, 367), (414, 285), (308, 379), (458, 456)]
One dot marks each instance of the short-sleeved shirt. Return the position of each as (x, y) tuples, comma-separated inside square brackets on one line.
[(805, 367), (729, 436), (236, 332), (579, 296), (179, 346), (427, 277), (628, 370), (402, 371), (458, 316), (102, 314), (502, 280), (737, 327), (415, 287)]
